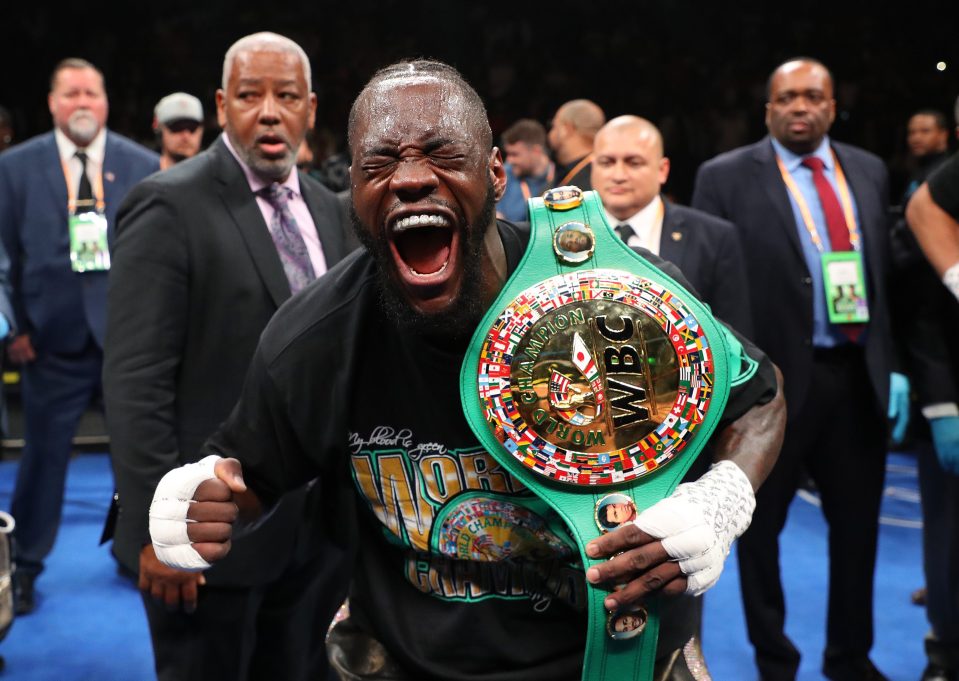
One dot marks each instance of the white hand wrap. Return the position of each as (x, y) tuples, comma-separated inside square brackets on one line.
[(951, 279), (700, 520), (168, 521)]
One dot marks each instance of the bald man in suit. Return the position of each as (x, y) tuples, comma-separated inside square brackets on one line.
[(629, 168)]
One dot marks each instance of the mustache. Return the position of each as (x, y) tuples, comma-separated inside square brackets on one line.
[(271, 137)]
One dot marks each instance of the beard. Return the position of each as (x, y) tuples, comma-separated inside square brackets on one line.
[(267, 169), (460, 319), (83, 127)]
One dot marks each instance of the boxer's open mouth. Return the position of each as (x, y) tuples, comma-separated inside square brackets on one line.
[(424, 244)]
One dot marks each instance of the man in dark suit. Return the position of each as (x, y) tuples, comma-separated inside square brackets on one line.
[(800, 200), (206, 252), (570, 136), (57, 191), (629, 169)]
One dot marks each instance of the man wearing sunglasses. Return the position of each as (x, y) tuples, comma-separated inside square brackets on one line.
[(178, 123)]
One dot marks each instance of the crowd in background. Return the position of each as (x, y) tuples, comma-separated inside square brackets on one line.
[(695, 109)]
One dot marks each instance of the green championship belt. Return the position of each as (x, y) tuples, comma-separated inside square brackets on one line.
[(596, 379)]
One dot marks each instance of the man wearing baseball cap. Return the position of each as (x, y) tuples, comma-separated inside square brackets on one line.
[(178, 123)]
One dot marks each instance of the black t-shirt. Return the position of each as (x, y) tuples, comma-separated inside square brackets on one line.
[(461, 572), (944, 186)]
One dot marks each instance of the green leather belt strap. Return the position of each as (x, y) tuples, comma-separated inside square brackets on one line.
[(596, 379)]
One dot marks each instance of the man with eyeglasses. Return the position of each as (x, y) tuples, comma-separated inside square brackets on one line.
[(178, 124)]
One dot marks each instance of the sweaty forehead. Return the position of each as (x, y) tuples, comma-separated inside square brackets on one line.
[(414, 108)]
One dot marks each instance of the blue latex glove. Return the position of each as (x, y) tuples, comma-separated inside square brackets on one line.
[(898, 405), (4, 327), (945, 435)]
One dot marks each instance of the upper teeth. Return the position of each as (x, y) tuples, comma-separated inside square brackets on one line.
[(419, 221)]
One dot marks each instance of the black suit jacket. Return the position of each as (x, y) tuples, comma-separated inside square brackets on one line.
[(195, 279), (745, 187), (707, 250)]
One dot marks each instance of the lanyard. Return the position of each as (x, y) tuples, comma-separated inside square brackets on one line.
[(97, 187), (549, 182), (844, 197), (576, 168)]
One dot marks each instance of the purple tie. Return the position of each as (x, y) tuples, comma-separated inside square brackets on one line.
[(287, 238)]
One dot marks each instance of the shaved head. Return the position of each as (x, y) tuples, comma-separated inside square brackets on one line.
[(470, 106), (629, 168), (573, 129), (584, 115), (634, 125)]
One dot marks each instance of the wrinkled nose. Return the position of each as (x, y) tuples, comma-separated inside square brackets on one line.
[(413, 179)]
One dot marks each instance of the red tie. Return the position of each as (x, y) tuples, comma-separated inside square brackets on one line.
[(835, 223), (835, 219)]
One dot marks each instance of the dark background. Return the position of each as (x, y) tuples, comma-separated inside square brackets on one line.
[(696, 69)]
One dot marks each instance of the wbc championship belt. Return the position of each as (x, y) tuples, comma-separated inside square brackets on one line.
[(596, 379)]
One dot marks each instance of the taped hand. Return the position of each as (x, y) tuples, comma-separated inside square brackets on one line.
[(694, 526), (192, 514)]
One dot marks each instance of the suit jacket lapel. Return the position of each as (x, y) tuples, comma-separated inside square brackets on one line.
[(769, 178), (242, 207), (55, 178), (111, 171), (669, 246), (329, 234)]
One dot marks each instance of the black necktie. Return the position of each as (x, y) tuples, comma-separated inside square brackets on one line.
[(625, 232), (85, 200)]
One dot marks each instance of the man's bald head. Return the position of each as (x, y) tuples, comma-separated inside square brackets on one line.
[(573, 129), (468, 102), (633, 126), (585, 116), (629, 168)]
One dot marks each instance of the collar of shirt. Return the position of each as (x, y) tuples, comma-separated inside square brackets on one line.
[(793, 161), (255, 181), (646, 224), (95, 150), (298, 207)]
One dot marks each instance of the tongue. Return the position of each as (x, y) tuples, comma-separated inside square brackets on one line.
[(425, 249)]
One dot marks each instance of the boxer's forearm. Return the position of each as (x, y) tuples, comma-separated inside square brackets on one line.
[(753, 440), (936, 231)]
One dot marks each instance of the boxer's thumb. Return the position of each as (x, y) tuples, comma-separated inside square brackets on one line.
[(231, 472)]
